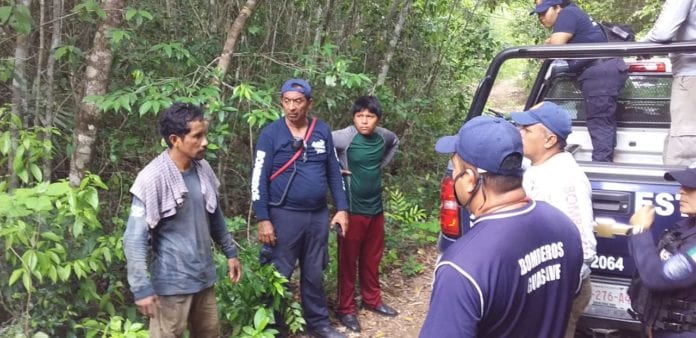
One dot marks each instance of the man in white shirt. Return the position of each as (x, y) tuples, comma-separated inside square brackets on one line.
[(556, 178)]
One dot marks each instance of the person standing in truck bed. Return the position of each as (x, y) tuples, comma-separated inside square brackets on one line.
[(600, 80), (677, 22)]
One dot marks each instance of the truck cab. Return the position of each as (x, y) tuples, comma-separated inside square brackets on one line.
[(634, 179)]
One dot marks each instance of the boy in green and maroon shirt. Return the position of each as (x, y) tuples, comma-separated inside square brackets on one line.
[(363, 150)]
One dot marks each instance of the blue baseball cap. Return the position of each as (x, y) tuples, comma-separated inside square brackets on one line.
[(544, 6), (687, 177), (487, 143), (296, 85), (552, 116)]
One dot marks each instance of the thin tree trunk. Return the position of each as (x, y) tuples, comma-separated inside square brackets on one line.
[(392, 44), (318, 19), (49, 118), (326, 24), (19, 96), (393, 7), (233, 34), (96, 81), (36, 87)]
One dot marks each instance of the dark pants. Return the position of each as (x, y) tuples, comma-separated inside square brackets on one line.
[(303, 236), (601, 84), (362, 249)]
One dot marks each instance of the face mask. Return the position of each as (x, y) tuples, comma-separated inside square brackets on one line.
[(479, 181)]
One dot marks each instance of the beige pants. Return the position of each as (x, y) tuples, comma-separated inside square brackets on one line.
[(579, 305), (680, 144), (198, 310)]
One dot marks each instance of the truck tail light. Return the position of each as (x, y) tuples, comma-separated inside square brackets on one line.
[(449, 209), (646, 66)]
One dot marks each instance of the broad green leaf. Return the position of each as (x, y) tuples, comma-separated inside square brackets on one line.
[(22, 20), (40, 335), (36, 172), (5, 13), (92, 197), (53, 273), (15, 276), (130, 13), (57, 189), (77, 228), (30, 259), (145, 107), (50, 235), (23, 175), (5, 143), (26, 281), (64, 272)]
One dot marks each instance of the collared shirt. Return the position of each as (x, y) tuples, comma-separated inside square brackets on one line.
[(677, 22)]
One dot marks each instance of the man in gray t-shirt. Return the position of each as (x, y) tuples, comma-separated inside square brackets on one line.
[(677, 22), (176, 214)]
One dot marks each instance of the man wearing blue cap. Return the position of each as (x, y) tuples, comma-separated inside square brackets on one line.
[(600, 80), (514, 273), (294, 167), (556, 178), (664, 295)]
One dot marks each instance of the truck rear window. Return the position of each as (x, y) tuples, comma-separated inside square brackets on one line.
[(644, 101)]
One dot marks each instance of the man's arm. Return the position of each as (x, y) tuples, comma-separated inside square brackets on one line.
[(136, 246), (672, 16), (333, 175), (391, 145), (221, 236), (679, 271), (263, 162), (559, 38), (455, 306)]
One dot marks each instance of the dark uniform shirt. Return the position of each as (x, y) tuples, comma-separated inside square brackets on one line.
[(317, 170), (514, 274), (575, 21)]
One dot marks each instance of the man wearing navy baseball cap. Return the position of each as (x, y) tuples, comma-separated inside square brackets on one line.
[(600, 80), (294, 166), (556, 178), (664, 293), (519, 257)]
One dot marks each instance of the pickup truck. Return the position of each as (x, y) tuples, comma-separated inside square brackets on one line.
[(634, 179)]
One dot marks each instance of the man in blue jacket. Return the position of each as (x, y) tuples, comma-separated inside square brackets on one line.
[(294, 167)]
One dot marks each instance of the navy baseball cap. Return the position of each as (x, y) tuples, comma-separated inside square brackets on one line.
[(552, 116), (487, 143), (296, 85), (687, 177), (544, 6)]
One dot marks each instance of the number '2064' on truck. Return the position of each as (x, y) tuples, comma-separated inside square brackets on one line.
[(633, 179)]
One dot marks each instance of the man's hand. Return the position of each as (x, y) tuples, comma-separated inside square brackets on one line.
[(643, 219), (148, 306), (341, 218), (345, 172), (266, 233), (234, 269)]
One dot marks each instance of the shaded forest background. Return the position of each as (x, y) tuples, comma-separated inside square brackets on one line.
[(82, 83)]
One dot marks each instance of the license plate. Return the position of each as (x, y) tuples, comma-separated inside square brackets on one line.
[(609, 300)]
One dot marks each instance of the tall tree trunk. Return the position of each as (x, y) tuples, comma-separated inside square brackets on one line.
[(392, 44), (326, 24), (233, 34), (50, 116), (36, 87), (96, 81), (19, 96)]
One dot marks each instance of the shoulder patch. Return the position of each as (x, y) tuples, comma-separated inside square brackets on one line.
[(677, 267)]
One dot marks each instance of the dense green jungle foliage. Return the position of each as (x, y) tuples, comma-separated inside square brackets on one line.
[(63, 270)]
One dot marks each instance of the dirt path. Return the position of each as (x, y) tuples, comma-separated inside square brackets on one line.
[(410, 296)]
